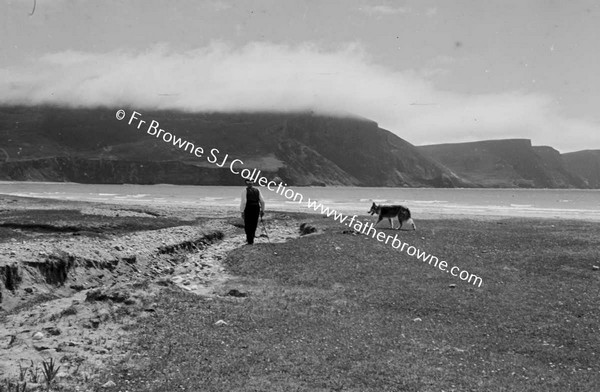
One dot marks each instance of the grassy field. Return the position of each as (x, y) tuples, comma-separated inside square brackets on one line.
[(342, 312)]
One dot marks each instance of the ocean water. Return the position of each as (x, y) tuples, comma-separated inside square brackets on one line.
[(427, 202)]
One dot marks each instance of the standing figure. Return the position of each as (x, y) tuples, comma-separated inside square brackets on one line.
[(252, 206)]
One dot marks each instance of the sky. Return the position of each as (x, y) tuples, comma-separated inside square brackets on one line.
[(429, 71)]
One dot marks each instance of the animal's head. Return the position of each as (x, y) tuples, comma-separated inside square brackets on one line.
[(406, 218), (411, 223), (374, 209)]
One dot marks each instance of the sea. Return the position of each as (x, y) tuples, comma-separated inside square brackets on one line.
[(425, 202)]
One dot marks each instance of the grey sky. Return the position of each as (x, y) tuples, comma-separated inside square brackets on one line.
[(430, 71)]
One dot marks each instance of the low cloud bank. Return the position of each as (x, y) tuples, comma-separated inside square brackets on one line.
[(268, 77)]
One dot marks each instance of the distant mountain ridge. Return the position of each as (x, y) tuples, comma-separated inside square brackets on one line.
[(508, 163), (90, 145)]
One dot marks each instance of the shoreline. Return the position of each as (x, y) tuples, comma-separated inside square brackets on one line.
[(419, 213)]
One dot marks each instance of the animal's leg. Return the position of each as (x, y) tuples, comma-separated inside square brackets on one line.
[(399, 221), (378, 220), (391, 222)]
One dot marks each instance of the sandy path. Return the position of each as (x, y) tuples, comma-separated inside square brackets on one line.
[(203, 272)]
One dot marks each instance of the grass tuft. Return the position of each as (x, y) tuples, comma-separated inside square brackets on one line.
[(49, 370)]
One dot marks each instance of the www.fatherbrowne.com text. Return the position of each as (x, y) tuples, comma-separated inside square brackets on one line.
[(236, 166)]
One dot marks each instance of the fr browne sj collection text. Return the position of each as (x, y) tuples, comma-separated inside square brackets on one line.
[(153, 128)]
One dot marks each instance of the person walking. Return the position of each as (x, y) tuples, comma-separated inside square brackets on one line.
[(252, 206)]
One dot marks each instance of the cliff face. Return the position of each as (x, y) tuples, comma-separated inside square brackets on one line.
[(506, 163), (99, 171), (586, 164), (374, 156), (91, 146), (558, 170)]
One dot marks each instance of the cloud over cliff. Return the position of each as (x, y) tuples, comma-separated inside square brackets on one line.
[(265, 76)]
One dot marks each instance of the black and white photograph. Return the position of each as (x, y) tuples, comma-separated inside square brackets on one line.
[(299, 195)]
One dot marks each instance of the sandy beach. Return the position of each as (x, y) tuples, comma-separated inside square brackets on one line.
[(82, 283)]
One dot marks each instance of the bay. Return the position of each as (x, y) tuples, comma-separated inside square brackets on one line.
[(423, 202)]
